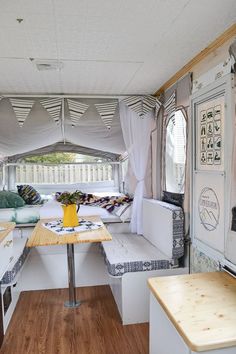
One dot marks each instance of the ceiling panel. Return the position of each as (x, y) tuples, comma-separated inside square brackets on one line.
[(20, 76), (107, 46), (103, 77)]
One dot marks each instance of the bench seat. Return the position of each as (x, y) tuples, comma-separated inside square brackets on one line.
[(133, 253)]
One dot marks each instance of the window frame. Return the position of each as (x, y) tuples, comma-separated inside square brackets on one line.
[(167, 119)]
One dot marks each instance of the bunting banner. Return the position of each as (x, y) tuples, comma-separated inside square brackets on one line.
[(170, 104), (76, 110), (53, 107), (142, 104), (107, 111), (158, 106), (22, 109)]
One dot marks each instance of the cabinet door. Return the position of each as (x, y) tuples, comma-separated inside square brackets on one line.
[(164, 339)]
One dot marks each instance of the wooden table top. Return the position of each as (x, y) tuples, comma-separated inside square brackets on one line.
[(9, 226), (201, 306), (44, 237)]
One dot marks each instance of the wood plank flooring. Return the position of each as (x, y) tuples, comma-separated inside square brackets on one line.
[(42, 325)]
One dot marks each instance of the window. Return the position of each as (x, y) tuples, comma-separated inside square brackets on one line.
[(175, 153), (64, 168)]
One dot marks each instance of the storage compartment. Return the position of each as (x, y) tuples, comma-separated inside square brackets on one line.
[(6, 252)]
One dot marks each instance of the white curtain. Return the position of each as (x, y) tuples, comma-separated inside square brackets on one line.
[(136, 133)]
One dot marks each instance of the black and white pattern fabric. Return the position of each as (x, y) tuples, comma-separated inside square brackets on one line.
[(22, 109), (107, 111), (53, 107), (76, 111), (158, 106), (10, 275), (170, 104), (142, 104), (84, 225), (133, 253), (177, 229)]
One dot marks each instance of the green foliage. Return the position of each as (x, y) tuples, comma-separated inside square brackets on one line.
[(68, 198), (61, 157), (54, 158)]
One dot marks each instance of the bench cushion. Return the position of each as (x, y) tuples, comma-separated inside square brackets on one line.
[(133, 253), (163, 226)]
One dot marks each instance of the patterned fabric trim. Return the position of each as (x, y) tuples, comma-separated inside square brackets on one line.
[(22, 109), (53, 106), (142, 104), (107, 111), (170, 104), (177, 229), (119, 269), (178, 233), (76, 110), (10, 275)]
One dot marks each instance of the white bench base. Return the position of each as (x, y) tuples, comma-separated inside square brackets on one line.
[(131, 293)]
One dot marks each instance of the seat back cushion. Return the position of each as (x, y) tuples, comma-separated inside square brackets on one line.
[(163, 226)]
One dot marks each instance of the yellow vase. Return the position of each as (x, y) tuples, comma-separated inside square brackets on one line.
[(70, 218)]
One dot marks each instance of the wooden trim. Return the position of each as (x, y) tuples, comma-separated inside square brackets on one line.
[(218, 42)]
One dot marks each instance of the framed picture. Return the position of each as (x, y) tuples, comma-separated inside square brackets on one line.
[(209, 147)]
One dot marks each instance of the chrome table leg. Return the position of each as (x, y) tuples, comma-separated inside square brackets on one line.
[(71, 277)]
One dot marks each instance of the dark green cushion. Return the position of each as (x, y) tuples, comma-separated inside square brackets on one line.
[(10, 200)]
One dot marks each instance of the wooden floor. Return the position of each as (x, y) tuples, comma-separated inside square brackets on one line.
[(42, 325)]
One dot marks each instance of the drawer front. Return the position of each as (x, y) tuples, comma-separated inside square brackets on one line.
[(6, 253)]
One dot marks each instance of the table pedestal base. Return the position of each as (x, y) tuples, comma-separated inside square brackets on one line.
[(72, 303)]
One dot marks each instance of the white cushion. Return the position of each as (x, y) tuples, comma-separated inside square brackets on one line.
[(163, 226)]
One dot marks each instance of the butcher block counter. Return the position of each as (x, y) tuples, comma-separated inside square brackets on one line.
[(6, 245), (8, 227), (193, 313)]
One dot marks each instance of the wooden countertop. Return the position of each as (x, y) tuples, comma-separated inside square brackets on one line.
[(201, 306), (44, 237), (9, 226)]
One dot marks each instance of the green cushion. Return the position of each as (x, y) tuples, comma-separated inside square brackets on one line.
[(10, 200)]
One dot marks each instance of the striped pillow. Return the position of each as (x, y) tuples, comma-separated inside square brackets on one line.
[(29, 194)]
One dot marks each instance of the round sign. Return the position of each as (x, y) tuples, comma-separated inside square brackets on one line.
[(209, 209)]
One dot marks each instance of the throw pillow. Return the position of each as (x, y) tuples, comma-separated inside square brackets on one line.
[(10, 200), (29, 194), (173, 198)]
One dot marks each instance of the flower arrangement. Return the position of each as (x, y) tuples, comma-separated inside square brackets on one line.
[(68, 198)]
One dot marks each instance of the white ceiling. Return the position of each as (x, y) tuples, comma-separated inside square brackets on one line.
[(106, 46)]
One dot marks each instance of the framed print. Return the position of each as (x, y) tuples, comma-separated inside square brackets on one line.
[(209, 135)]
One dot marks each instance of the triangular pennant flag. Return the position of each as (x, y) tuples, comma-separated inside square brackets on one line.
[(170, 104), (149, 103), (134, 103), (141, 104), (53, 106), (107, 111), (158, 106), (77, 110), (22, 109)]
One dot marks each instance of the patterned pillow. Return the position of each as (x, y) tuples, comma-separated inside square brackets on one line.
[(173, 198), (29, 194)]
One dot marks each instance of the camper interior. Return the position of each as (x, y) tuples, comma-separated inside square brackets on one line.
[(117, 177)]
